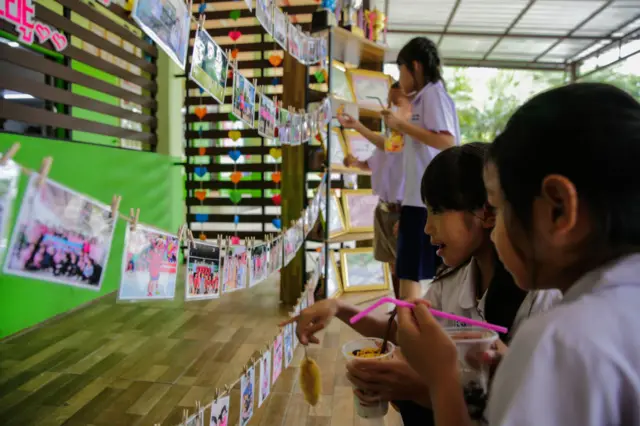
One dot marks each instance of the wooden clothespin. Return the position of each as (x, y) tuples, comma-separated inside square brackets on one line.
[(115, 205), (227, 389), (133, 217), (9, 154), (44, 170), (185, 415), (219, 241)]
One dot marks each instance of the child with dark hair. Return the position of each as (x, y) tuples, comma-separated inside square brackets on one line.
[(433, 126), (563, 223)]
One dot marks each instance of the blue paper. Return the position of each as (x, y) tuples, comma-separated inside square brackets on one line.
[(234, 154), (236, 219), (203, 7), (200, 217), (277, 223), (200, 171)]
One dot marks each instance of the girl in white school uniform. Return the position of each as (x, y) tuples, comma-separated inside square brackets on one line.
[(566, 218), (433, 127)]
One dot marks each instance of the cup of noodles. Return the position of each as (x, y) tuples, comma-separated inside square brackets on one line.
[(368, 348), (474, 382)]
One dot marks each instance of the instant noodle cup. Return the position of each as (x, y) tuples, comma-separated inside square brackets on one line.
[(368, 348)]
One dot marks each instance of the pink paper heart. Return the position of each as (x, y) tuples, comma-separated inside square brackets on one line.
[(235, 35), (43, 32), (59, 41), (235, 240)]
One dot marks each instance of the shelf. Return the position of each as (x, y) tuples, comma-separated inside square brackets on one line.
[(352, 236), (350, 48)]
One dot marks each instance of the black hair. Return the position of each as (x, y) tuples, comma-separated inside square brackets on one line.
[(453, 179), (395, 85), (590, 134), (424, 51)]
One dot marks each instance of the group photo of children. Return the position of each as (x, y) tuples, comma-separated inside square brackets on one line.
[(203, 271)]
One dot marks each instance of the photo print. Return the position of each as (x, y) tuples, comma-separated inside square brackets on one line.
[(294, 38), (259, 264), (203, 271), (209, 65), (284, 126), (267, 117), (278, 352), (60, 236), (167, 22), (264, 13), (220, 411), (290, 239), (288, 344), (247, 395), (299, 234), (244, 99), (149, 264), (265, 377), (296, 129), (197, 419), (275, 255), (9, 175), (280, 27), (234, 269)]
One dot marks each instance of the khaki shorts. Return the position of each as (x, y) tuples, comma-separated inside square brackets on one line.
[(384, 241)]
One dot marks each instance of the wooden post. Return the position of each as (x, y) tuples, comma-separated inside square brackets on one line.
[(293, 177)]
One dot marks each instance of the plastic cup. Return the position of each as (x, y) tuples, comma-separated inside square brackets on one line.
[(382, 407)]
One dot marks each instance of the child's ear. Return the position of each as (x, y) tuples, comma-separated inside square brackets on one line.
[(489, 216)]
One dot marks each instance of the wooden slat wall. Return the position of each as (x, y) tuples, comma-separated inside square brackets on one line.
[(124, 100), (257, 210)]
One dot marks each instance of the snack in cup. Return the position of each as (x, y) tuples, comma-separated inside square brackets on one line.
[(394, 143), (368, 348)]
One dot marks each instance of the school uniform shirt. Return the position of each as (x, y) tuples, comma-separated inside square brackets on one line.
[(434, 110), (579, 363), (387, 175), (455, 293)]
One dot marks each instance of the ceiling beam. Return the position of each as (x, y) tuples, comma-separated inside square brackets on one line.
[(454, 9), (513, 24), (516, 65), (612, 42), (501, 34)]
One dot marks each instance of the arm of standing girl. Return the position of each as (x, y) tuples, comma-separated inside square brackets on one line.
[(435, 140), (348, 122)]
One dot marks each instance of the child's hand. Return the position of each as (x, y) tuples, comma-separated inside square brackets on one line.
[(350, 161), (426, 346), (490, 358), (313, 319), (347, 121), (391, 119)]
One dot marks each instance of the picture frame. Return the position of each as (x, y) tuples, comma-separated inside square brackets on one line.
[(338, 148), (357, 145), (359, 205), (340, 82), (333, 282), (366, 85), (337, 223), (362, 272)]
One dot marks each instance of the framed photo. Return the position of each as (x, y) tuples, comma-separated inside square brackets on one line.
[(167, 22), (234, 268), (361, 272), (264, 13), (338, 148), (203, 271), (265, 377), (60, 236), (267, 117), (359, 205), (280, 27), (340, 84), (333, 281), (357, 145), (220, 411), (149, 264), (244, 99), (367, 85), (209, 65), (336, 219), (247, 395)]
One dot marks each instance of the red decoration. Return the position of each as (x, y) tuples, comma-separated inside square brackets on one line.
[(276, 199), (235, 35)]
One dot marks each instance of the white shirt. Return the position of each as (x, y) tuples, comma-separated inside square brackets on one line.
[(432, 109), (455, 293), (387, 175), (579, 363)]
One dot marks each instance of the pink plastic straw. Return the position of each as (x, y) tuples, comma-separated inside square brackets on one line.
[(357, 317)]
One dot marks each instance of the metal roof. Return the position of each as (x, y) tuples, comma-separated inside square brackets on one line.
[(535, 34)]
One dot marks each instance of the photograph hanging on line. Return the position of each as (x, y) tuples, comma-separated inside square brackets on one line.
[(209, 65), (234, 268), (264, 13), (284, 126), (9, 175), (259, 268), (267, 117), (197, 419), (60, 236), (167, 22), (280, 27), (296, 129), (299, 235), (220, 411), (265, 377), (275, 255), (278, 353), (247, 395), (288, 345), (290, 239), (244, 99), (294, 38), (203, 271), (149, 264)]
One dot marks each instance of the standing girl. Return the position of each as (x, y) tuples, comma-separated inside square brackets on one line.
[(433, 127)]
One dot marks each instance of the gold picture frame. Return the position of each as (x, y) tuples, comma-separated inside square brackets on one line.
[(367, 85), (361, 272), (357, 145), (335, 228), (359, 216), (333, 270), (338, 150), (340, 84)]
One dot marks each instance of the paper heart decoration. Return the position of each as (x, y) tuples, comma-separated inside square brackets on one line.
[(276, 131), (319, 75), (202, 150), (59, 41), (275, 81), (234, 154), (236, 177), (276, 199), (276, 177), (200, 218), (275, 153), (235, 196), (43, 32), (234, 53), (235, 35), (234, 14), (200, 171), (235, 135), (277, 223), (275, 60), (200, 112), (201, 90), (232, 117), (200, 194), (202, 8), (235, 240), (203, 236), (236, 219)]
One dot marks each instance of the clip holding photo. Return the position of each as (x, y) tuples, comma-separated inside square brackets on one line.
[(115, 206), (45, 168), (134, 215), (8, 156)]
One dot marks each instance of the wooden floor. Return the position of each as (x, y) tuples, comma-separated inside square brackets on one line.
[(143, 364)]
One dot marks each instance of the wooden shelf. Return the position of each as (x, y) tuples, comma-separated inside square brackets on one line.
[(352, 236), (350, 48)]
